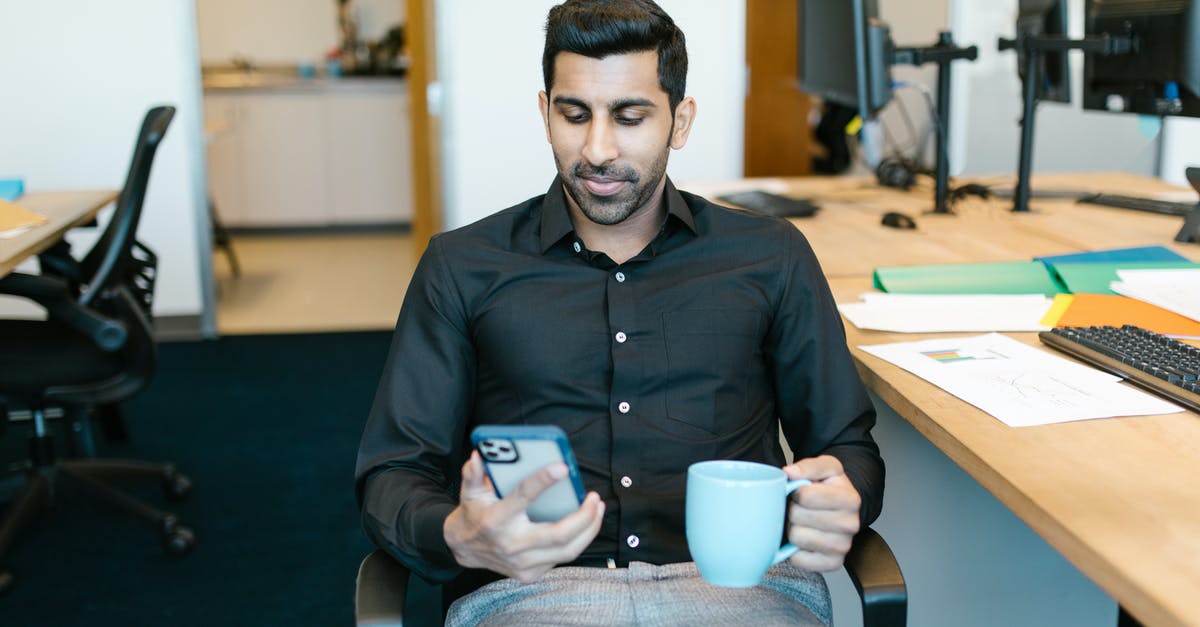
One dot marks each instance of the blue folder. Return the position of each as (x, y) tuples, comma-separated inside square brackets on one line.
[(1140, 253)]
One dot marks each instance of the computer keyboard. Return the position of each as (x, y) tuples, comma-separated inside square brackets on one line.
[(771, 204), (1155, 362), (1149, 205)]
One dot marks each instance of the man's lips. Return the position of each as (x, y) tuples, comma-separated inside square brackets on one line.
[(603, 186)]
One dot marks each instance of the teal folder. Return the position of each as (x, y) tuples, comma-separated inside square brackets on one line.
[(1006, 277), (1093, 278)]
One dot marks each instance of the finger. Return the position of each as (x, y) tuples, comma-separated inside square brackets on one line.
[(816, 562), (834, 521), (583, 523), (820, 542), (815, 469), (531, 488), (564, 540), (475, 485), (834, 494)]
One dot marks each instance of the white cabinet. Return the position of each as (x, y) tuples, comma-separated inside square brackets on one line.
[(370, 171), (310, 156)]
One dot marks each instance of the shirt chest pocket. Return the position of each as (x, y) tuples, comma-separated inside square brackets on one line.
[(711, 356)]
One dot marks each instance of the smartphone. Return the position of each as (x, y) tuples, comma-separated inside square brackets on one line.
[(511, 453)]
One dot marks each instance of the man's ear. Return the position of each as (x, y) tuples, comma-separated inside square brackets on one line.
[(544, 107), (681, 126)]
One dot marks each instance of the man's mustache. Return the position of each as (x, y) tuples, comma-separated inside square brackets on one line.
[(589, 171)]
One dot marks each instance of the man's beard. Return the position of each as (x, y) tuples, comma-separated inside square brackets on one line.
[(609, 210)]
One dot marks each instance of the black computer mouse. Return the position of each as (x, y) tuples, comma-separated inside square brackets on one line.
[(898, 220)]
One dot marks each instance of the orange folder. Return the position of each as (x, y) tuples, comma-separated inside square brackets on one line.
[(16, 217), (1084, 310)]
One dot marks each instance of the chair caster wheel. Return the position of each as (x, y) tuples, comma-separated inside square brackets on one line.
[(176, 486), (177, 540)]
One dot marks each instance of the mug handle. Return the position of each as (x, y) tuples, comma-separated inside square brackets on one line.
[(788, 549)]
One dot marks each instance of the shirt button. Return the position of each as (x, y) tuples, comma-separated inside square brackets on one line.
[(633, 541), (577, 247), (626, 482), (620, 276), (623, 407), (621, 337)]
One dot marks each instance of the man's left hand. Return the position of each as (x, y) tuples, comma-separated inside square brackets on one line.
[(822, 518)]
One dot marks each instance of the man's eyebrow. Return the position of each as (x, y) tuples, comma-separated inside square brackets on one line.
[(631, 102), (623, 103), (568, 101)]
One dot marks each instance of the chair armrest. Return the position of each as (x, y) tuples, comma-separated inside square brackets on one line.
[(379, 591), (57, 261), (877, 577), (55, 295)]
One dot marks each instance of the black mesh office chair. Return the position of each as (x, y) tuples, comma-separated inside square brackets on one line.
[(382, 583), (95, 349)]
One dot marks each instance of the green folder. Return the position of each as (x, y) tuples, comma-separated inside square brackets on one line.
[(1006, 277), (1093, 278)]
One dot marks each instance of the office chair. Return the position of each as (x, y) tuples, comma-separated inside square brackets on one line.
[(95, 349), (382, 583)]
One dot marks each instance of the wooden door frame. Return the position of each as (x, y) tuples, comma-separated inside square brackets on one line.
[(421, 30)]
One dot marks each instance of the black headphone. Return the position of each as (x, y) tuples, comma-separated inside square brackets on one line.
[(896, 172)]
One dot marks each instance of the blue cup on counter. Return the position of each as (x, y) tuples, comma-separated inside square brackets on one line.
[(306, 70), (333, 68), (11, 189), (734, 520)]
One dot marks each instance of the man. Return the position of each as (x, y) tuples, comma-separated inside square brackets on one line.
[(655, 328)]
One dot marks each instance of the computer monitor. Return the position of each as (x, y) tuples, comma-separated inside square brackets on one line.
[(1161, 74), (1038, 18), (845, 54)]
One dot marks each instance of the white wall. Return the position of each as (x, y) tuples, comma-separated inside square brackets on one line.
[(1181, 148), (78, 77), (284, 31), (1067, 138), (494, 152)]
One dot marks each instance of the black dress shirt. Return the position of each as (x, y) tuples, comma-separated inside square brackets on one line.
[(698, 348)]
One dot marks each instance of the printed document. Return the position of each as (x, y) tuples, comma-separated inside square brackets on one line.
[(1017, 383), (1173, 290), (940, 313)]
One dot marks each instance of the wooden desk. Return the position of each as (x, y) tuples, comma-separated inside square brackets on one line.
[(1118, 498), (64, 210)]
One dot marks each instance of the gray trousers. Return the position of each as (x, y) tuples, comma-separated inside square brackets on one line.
[(645, 594)]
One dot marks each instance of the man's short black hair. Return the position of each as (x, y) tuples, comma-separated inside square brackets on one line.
[(599, 28)]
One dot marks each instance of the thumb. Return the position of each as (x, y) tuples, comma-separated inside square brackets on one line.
[(475, 484)]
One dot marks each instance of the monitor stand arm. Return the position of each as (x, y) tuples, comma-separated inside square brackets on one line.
[(1190, 233), (943, 53), (1033, 47)]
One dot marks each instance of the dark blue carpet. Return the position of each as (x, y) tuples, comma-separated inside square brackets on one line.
[(267, 427)]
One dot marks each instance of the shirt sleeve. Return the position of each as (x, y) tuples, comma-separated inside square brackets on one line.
[(823, 405), (409, 459)]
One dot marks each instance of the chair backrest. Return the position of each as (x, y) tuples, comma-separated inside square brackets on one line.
[(111, 261), (119, 274)]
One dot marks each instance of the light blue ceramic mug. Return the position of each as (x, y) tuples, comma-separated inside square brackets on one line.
[(735, 516)]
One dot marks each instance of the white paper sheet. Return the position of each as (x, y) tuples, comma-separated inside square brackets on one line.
[(937, 313), (1017, 383), (1176, 290)]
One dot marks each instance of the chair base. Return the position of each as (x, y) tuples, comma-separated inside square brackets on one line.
[(93, 475)]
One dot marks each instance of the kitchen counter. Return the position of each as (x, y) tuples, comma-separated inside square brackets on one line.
[(272, 83), (287, 78)]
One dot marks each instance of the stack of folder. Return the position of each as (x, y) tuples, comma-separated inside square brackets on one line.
[(1079, 283)]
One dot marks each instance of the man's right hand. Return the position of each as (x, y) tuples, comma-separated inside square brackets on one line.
[(488, 532)]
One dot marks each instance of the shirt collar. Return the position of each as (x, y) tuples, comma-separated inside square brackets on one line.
[(556, 216)]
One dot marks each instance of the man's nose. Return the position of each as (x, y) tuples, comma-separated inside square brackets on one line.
[(601, 146)]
